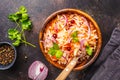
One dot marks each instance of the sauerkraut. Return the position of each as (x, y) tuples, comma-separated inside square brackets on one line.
[(70, 31)]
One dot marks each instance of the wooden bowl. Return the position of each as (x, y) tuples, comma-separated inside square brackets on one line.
[(99, 43)]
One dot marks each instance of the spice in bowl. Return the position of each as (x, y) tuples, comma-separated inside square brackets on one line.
[(7, 54)]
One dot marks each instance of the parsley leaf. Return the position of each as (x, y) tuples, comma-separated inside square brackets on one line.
[(55, 46), (24, 16), (14, 34), (17, 43), (89, 50), (59, 54), (55, 50), (22, 9), (13, 17), (26, 25), (52, 51), (74, 36), (21, 18)]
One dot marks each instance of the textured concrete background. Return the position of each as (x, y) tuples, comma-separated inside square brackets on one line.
[(105, 12)]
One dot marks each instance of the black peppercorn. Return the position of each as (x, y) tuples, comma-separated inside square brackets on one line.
[(7, 54)]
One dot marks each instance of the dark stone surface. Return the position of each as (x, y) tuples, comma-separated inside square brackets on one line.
[(105, 12)]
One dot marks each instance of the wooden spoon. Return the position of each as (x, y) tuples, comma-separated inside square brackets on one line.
[(68, 68)]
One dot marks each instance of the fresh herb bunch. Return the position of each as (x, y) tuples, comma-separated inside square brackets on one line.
[(55, 50), (21, 18)]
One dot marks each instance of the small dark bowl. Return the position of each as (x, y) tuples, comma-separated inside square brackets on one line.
[(4, 67)]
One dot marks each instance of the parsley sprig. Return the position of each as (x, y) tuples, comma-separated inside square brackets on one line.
[(89, 50), (74, 36), (55, 50), (23, 23)]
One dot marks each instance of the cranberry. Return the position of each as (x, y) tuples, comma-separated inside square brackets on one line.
[(55, 35), (72, 21), (69, 25), (68, 48)]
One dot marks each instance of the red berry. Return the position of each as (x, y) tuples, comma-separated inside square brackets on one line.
[(55, 35), (68, 48), (72, 21)]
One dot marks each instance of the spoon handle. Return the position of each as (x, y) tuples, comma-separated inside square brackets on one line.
[(68, 69)]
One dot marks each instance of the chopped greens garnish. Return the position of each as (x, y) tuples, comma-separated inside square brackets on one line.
[(52, 51), (55, 50), (89, 50), (21, 18), (59, 54), (55, 46), (74, 36)]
